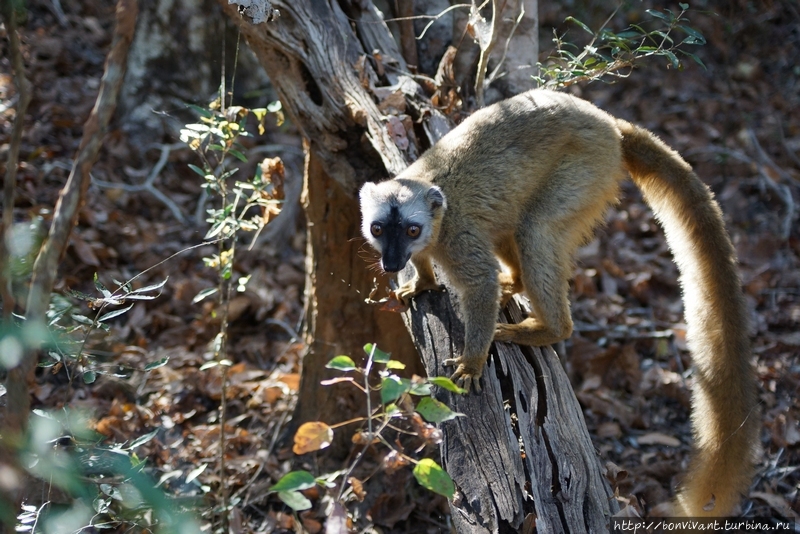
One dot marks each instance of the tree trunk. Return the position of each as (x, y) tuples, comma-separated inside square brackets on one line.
[(322, 73), (338, 321), (529, 465), (522, 456)]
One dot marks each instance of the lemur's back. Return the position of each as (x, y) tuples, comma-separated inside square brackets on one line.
[(511, 149)]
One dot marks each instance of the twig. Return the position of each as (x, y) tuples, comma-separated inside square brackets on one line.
[(782, 191), (494, 75), (66, 210), (405, 10), (148, 184), (788, 149), (10, 181), (483, 62), (433, 18)]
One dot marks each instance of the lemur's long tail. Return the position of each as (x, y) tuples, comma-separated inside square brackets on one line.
[(725, 416)]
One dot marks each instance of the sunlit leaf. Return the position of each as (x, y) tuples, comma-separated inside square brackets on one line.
[(141, 440), (580, 24), (155, 365), (100, 287), (149, 288), (431, 476), (446, 383), (203, 294), (378, 356), (342, 363), (392, 387), (294, 500), (311, 437), (112, 314), (294, 481), (194, 473), (434, 411), (667, 17)]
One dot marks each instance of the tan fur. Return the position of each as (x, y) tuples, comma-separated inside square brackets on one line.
[(527, 180)]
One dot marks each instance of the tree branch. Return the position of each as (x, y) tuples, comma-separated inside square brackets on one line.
[(10, 182)]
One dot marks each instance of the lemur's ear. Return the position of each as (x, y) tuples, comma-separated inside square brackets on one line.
[(366, 189), (436, 197)]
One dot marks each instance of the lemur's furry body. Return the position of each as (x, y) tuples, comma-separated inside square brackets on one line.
[(526, 181)]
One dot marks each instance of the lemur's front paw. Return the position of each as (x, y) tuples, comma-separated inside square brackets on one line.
[(468, 372), (413, 287)]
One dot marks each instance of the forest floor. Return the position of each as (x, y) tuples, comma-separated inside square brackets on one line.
[(737, 122)]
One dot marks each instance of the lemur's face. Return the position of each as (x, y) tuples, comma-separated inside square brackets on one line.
[(397, 219)]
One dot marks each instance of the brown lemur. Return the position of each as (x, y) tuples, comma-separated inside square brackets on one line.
[(525, 181)]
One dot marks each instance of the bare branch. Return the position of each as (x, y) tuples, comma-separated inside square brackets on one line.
[(486, 49)]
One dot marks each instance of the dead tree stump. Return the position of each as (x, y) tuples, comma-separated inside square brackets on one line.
[(522, 456)]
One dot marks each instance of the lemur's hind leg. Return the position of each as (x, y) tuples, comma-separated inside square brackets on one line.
[(511, 281), (545, 273)]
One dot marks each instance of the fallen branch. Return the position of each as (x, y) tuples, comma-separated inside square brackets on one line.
[(761, 162), (148, 184)]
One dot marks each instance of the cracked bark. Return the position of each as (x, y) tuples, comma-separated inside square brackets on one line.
[(522, 455)]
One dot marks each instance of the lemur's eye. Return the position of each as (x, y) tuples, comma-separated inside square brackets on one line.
[(413, 231), (376, 229)]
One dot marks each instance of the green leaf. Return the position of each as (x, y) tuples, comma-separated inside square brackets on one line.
[(294, 500), (586, 28), (194, 473), (379, 356), (197, 170), (694, 58), (667, 17), (112, 314), (683, 6), (695, 37), (629, 35), (446, 383), (149, 288), (203, 294), (294, 481), (394, 364), (238, 155), (676, 63), (141, 440), (89, 377), (201, 111), (434, 411), (156, 364), (81, 319), (341, 363), (100, 287), (392, 387), (79, 295), (431, 476), (420, 388)]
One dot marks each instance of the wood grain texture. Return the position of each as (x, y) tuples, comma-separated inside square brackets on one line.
[(522, 455)]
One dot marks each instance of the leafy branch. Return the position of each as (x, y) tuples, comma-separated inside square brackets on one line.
[(615, 54), (397, 412)]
